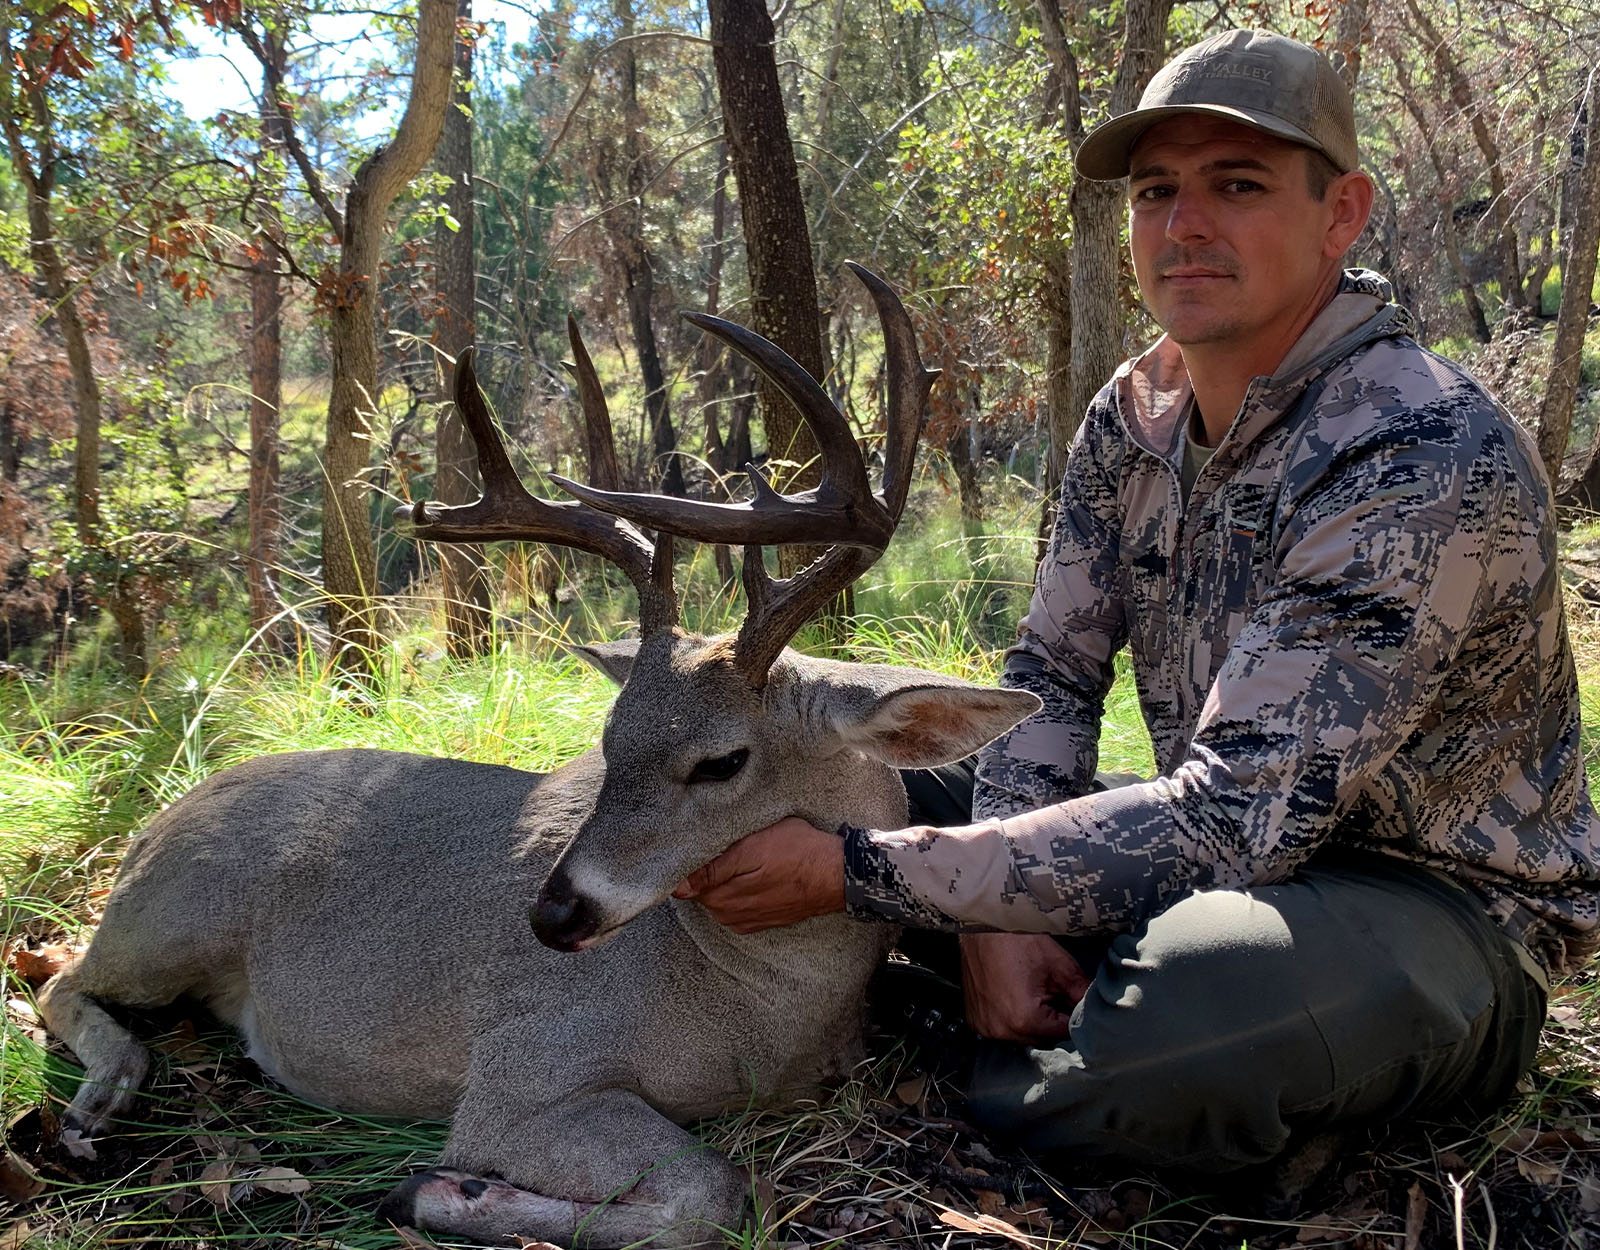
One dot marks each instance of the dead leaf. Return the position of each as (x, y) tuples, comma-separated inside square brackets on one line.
[(14, 1236), (1035, 1217), (280, 1181), (214, 1184), (18, 1181), (1544, 1175), (163, 1172), (1416, 1216), (183, 1045), (1589, 1193), (528, 1243), (989, 1202), (1316, 1228), (1565, 1015), (76, 1144), (984, 1224), (910, 1091), (37, 967), (22, 1010)]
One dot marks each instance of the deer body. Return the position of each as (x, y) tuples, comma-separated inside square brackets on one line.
[(405, 935), (363, 918)]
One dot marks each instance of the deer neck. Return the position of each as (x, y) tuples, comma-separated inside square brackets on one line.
[(832, 951)]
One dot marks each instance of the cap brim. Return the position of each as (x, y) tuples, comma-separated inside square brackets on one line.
[(1104, 154)]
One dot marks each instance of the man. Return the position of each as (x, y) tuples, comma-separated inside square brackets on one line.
[(1333, 558)]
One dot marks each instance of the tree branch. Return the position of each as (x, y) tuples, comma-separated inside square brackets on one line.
[(291, 134)]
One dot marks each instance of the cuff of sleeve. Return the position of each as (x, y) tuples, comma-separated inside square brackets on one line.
[(875, 890)]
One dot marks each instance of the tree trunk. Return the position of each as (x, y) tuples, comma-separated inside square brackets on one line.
[(10, 443), (266, 370), (783, 285), (1097, 211), (349, 559), (626, 229), (712, 383), (959, 448), (1064, 108), (38, 181), (461, 565), (1577, 282), (1350, 31)]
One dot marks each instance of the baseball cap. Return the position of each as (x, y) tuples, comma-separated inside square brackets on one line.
[(1260, 79)]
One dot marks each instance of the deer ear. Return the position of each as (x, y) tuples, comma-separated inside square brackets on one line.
[(919, 726), (614, 659)]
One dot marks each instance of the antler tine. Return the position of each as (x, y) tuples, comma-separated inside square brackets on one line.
[(778, 610), (842, 509), (506, 510), (604, 470), (909, 384)]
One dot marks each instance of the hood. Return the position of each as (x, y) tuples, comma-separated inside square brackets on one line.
[(1153, 389)]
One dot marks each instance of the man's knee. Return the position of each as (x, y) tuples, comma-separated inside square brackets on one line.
[(1184, 1051)]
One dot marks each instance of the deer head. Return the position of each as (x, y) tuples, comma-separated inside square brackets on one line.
[(712, 739)]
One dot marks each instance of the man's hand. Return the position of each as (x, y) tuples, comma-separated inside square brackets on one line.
[(778, 875), (1016, 985)]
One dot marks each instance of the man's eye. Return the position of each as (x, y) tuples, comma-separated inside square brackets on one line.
[(1242, 186), (720, 768), (1152, 193)]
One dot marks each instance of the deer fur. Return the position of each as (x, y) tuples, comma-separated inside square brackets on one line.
[(363, 918)]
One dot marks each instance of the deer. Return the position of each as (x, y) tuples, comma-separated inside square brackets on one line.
[(319, 902)]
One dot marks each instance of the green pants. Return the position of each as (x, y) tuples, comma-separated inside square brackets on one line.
[(1240, 1022)]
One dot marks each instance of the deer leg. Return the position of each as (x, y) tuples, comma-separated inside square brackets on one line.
[(597, 1170), (115, 1062)]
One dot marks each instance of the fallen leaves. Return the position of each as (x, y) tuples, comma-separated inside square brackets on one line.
[(224, 1183), (991, 1225), (37, 966), (18, 1181), (15, 1236)]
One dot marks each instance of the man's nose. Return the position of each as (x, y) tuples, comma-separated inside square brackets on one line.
[(1189, 218)]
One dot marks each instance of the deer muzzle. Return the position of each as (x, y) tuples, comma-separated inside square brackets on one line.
[(562, 919)]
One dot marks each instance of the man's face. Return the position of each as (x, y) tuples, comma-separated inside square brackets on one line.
[(1228, 244)]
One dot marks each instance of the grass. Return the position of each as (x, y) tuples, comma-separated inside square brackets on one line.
[(85, 760)]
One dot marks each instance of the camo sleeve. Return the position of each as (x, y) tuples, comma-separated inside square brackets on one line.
[(1395, 536), (1066, 641)]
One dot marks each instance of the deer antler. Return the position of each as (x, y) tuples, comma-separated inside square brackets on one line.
[(842, 511), (507, 511), (779, 609)]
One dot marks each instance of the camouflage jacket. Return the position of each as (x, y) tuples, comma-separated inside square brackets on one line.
[(1351, 634)]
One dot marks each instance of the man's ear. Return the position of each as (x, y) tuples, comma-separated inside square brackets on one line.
[(1351, 195), (614, 659), (913, 719)]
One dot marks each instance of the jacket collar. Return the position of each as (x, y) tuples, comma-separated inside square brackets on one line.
[(1153, 389)]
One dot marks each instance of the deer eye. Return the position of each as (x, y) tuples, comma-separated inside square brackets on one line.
[(721, 768)]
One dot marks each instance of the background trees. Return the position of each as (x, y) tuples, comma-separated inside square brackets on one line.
[(628, 159)]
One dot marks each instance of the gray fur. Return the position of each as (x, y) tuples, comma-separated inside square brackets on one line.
[(363, 918)]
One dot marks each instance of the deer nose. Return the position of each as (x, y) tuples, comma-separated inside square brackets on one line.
[(561, 919)]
